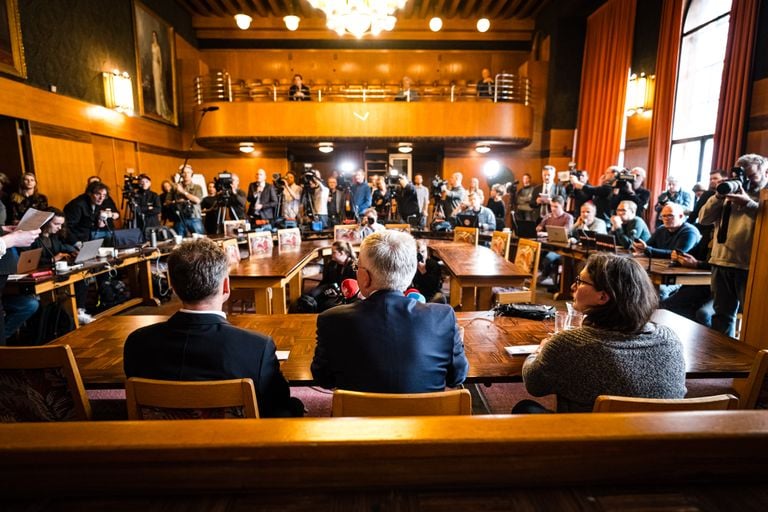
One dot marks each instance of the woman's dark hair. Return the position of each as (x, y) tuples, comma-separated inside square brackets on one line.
[(346, 248), (56, 213), (632, 296)]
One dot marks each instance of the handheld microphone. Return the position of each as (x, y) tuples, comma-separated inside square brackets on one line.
[(350, 290), (209, 109), (417, 297)]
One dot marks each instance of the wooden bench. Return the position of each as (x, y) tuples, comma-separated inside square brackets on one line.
[(461, 461)]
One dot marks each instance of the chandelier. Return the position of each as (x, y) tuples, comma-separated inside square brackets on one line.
[(359, 17)]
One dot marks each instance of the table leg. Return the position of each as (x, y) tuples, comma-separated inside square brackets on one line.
[(468, 300), (566, 279), (261, 300), (484, 298), (455, 292), (145, 283), (295, 288), (278, 301)]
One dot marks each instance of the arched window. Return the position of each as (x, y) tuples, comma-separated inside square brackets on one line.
[(705, 34)]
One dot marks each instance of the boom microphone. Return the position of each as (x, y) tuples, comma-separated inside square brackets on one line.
[(209, 109)]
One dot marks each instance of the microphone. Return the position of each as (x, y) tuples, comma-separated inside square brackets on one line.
[(350, 290), (417, 297), (209, 109)]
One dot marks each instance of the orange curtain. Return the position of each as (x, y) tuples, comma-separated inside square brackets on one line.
[(667, 60), (734, 92), (607, 58)]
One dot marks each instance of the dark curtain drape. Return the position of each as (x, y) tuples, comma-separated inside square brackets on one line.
[(607, 59), (732, 111), (667, 61)]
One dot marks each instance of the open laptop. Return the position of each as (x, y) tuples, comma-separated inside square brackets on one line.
[(29, 261), (557, 234), (525, 228), (587, 238), (89, 251), (128, 238), (466, 220), (605, 242)]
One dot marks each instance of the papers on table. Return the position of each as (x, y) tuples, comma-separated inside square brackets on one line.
[(282, 355), (16, 277), (34, 219), (521, 350)]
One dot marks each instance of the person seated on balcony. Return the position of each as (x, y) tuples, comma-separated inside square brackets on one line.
[(485, 84), (406, 93), (298, 91)]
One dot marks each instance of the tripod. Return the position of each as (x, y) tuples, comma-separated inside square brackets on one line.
[(306, 202), (223, 210)]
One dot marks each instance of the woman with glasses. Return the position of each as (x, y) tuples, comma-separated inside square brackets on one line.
[(616, 351)]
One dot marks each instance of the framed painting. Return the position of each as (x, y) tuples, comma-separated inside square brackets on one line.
[(11, 47), (155, 65)]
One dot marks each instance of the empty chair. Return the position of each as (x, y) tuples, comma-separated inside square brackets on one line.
[(466, 235), (41, 384), (500, 243), (441, 403), (149, 399), (753, 391), (610, 403), (527, 258)]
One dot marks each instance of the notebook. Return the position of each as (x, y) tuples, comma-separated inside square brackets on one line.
[(29, 261), (89, 251), (525, 228), (557, 234)]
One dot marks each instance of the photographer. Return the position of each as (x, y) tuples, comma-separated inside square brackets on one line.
[(733, 210), (544, 193), (381, 197), (262, 198), (451, 200), (422, 197), (187, 196), (629, 187), (673, 194), (369, 224), (291, 196), (210, 212), (575, 197), (407, 201), (147, 204), (336, 202), (319, 196)]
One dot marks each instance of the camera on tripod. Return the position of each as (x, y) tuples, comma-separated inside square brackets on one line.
[(131, 185), (223, 182), (308, 177), (436, 189), (278, 181), (736, 182), (344, 181)]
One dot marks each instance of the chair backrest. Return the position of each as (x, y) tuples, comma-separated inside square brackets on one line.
[(347, 233), (441, 403), (610, 403), (466, 235), (527, 256), (753, 392), (149, 399), (289, 238), (41, 384), (260, 243), (232, 227), (232, 249), (406, 228), (500, 243)]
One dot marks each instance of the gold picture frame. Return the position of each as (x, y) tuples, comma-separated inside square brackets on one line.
[(11, 45), (155, 65)]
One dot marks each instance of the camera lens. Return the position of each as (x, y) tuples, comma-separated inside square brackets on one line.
[(728, 187)]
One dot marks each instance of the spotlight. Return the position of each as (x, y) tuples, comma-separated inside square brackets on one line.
[(405, 147), (246, 147), (347, 166), (483, 24), (243, 21), (435, 24), (325, 147), (483, 148), (291, 22), (491, 169)]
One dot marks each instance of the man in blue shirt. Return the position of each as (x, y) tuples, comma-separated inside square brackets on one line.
[(361, 194)]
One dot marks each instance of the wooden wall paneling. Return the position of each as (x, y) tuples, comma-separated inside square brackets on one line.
[(159, 167), (62, 167), (754, 321), (11, 152), (757, 136), (472, 167), (188, 66)]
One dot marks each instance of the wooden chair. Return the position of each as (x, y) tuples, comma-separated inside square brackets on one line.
[(149, 399), (526, 257), (466, 235), (405, 228), (41, 384), (441, 403), (611, 403), (260, 243), (347, 233), (753, 391), (500, 243), (289, 238)]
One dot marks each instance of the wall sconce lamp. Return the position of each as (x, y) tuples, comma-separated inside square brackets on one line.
[(291, 22), (435, 24), (118, 91), (243, 21), (483, 148), (640, 91), (405, 147), (483, 24), (325, 147)]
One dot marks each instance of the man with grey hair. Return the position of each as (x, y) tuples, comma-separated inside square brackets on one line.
[(544, 193), (197, 343), (388, 343), (733, 211)]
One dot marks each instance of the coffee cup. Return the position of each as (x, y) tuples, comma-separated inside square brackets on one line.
[(178, 239), (62, 266)]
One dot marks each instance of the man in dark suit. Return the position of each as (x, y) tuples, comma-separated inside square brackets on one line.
[(543, 194), (388, 343), (262, 198), (197, 343)]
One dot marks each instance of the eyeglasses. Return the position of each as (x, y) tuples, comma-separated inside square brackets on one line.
[(579, 281), (667, 216)]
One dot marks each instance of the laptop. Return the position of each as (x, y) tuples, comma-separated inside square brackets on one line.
[(89, 251), (466, 220), (587, 238), (128, 238), (557, 234), (29, 261), (605, 242), (525, 228)]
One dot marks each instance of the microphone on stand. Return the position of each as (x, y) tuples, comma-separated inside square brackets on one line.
[(350, 290)]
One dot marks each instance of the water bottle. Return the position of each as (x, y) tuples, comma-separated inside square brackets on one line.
[(153, 239)]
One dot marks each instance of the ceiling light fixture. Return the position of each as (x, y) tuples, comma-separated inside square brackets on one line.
[(246, 147), (435, 24), (243, 21), (291, 22), (482, 148), (483, 24), (359, 17), (405, 147), (325, 147)]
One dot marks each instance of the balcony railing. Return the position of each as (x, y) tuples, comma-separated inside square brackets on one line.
[(217, 86)]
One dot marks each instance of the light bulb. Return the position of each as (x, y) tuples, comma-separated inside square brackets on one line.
[(243, 21), (291, 22), (483, 24), (435, 24)]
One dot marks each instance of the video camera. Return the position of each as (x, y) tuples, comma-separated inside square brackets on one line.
[(624, 180), (565, 176), (131, 185), (278, 181), (223, 182), (308, 177), (436, 189), (344, 181), (737, 181)]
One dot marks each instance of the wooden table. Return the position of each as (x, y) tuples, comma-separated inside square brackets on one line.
[(98, 347), (139, 275), (271, 277), (475, 267)]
